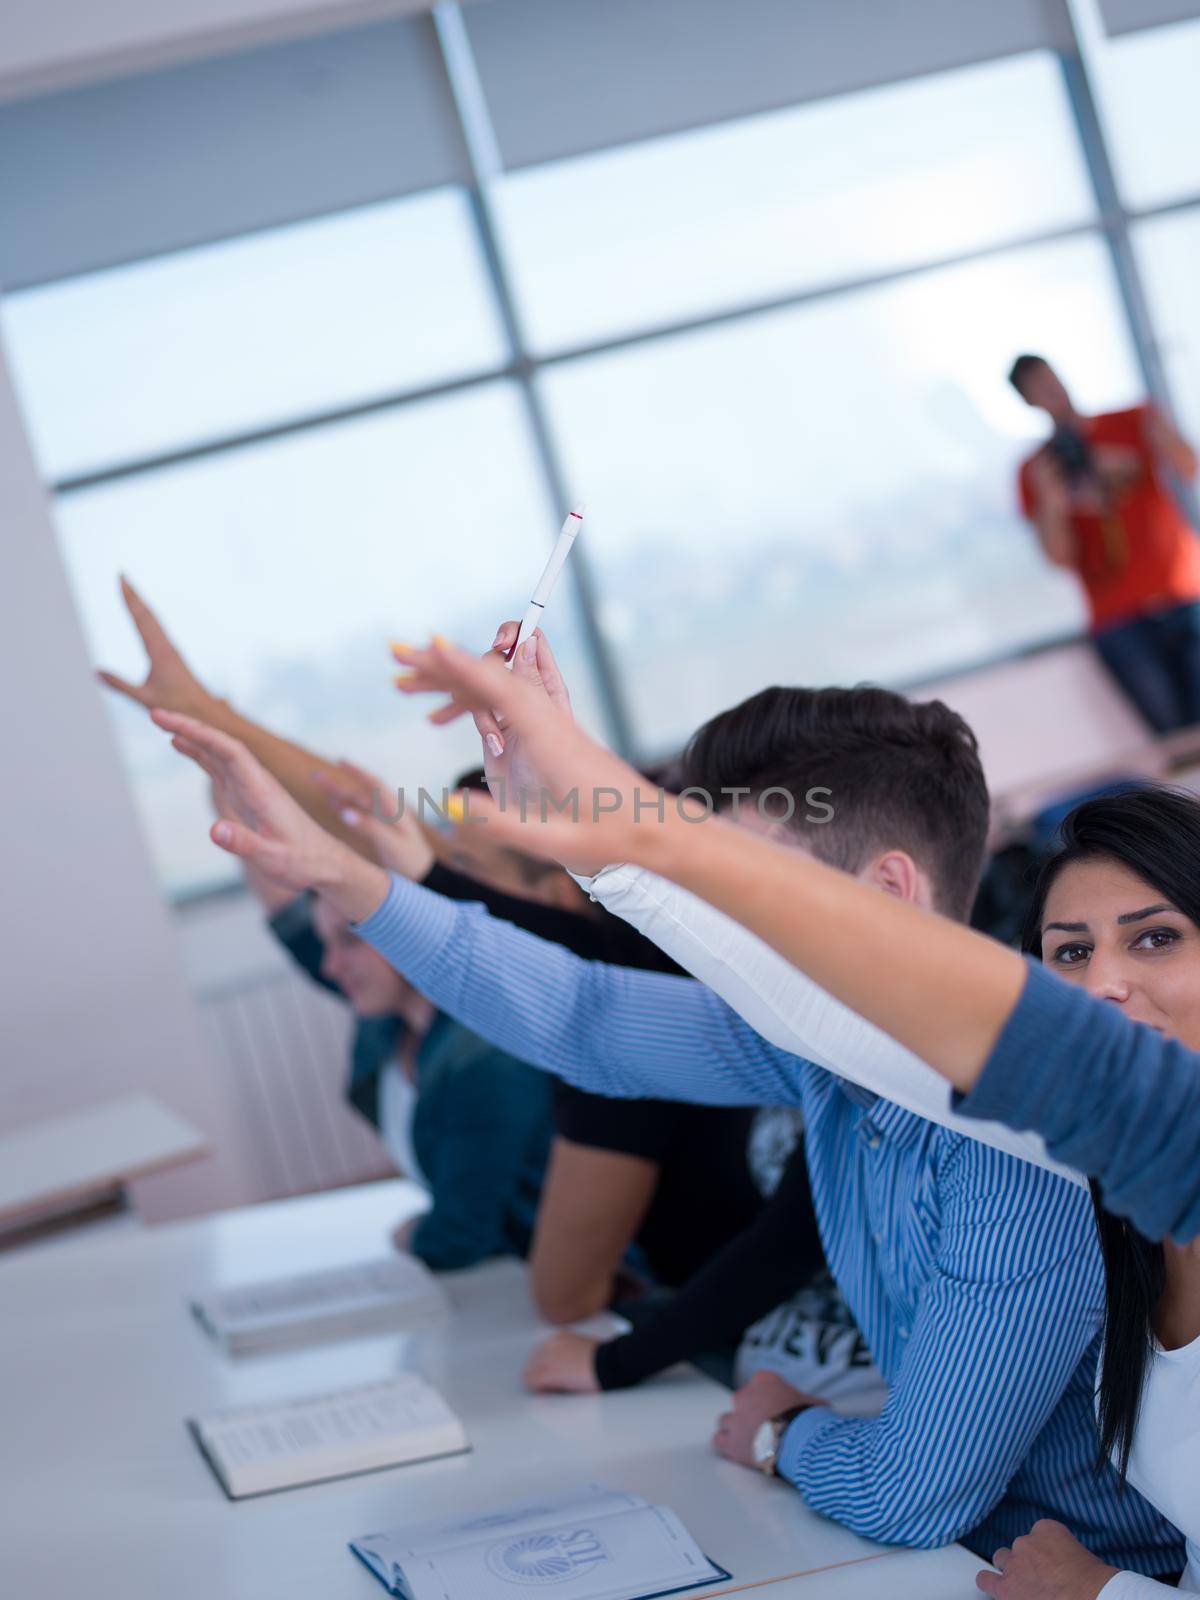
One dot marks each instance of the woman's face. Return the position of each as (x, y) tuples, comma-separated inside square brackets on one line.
[(1119, 938)]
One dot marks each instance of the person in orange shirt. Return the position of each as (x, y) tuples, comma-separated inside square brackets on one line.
[(1096, 493)]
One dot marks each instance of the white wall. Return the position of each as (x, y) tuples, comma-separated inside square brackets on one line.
[(93, 1000), (1047, 723)]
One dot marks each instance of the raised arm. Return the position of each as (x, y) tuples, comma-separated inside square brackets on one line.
[(324, 788), (616, 1031), (938, 988), (788, 1009), (619, 1032), (1111, 1098)]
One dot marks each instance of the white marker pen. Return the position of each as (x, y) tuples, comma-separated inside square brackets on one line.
[(549, 577)]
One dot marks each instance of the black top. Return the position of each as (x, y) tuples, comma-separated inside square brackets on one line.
[(599, 937), (706, 1194), (770, 1261)]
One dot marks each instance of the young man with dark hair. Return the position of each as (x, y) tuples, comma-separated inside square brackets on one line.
[(850, 744), (1098, 495), (974, 1277)]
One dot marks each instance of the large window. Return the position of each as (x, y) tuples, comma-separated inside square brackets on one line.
[(285, 568), (1169, 249), (826, 494), (768, 350), (1147, 84), (211, 342), (674, 227)]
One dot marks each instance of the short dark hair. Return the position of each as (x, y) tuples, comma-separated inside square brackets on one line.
[(901, 775), (1021, 369)]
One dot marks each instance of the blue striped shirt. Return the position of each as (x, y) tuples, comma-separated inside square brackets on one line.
[(974, 1277)]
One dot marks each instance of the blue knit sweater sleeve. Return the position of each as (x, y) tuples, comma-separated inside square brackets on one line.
[(1111, 1097)]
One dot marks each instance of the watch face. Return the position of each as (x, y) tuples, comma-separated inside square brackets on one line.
[(764, 1445)]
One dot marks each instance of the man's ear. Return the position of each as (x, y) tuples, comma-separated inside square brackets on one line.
[(895, 872)]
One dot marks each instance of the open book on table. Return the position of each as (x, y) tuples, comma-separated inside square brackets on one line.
[(588, 1543), (256, 1449)]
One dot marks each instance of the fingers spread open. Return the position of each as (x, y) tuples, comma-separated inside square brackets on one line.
[(197, 753), (135, 691), (349, 786), (480, 685), (152, 633), (239, 840), (450, 712), (210, 739)]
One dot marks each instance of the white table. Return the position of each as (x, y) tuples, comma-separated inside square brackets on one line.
[(105, 1493), (67, 1163)]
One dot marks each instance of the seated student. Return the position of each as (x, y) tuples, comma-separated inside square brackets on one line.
[(466, 1121), (1116, 911), (975, 1277), (637, 1193)]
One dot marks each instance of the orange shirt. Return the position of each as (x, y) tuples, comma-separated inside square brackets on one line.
[(1138, 554)]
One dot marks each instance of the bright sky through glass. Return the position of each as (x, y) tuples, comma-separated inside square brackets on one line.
[(844, 188), (826, 494), (284, 569), (1149, 89), (210, 342)]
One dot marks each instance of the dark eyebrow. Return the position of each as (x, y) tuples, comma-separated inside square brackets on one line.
[(1148, 911), (1067, 927)]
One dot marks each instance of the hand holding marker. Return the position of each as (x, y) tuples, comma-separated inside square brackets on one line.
[(488, 724), (549, 577)]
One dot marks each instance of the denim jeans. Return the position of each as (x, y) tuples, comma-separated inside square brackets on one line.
[(1156, 660)]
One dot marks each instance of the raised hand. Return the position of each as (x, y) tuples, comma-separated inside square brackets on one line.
[(509, 775), (263, 825), (507, 772), (397, 841), (581, 801), (169, 683)]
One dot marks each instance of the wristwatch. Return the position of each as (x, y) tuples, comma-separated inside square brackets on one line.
[(765, 1446)]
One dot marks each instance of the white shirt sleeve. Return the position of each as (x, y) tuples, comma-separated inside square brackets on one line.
[(789, 1009), (1134, 1586)]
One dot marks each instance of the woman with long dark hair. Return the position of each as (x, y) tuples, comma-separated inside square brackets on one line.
[(1117, 910)]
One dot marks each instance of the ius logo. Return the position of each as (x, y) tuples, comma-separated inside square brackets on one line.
[(537, 1559)]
